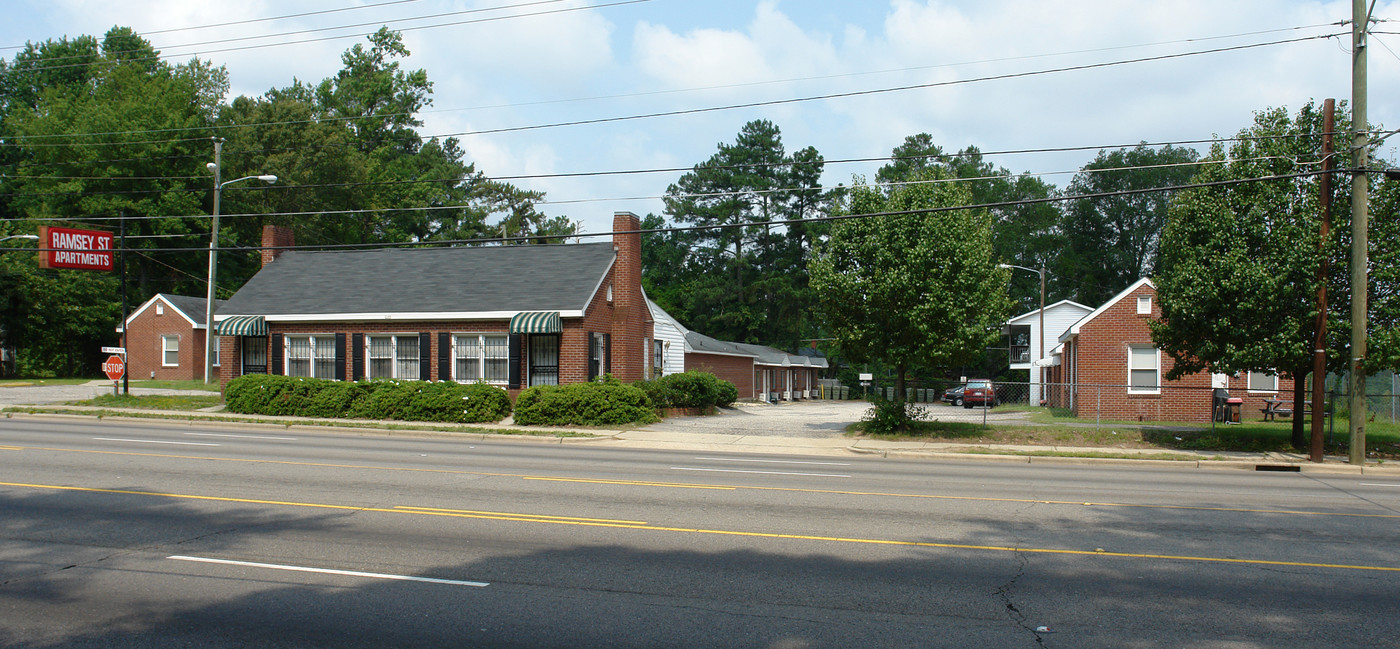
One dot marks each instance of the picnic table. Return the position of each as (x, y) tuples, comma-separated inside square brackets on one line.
[(1281, 408)]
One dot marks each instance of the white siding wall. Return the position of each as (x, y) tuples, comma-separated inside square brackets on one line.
[(672, 336)]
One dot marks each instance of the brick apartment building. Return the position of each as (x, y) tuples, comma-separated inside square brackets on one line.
[(513, 316), (165, 339), (1109, 367)]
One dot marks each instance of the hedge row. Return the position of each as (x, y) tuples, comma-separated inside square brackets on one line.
[(600, 403), (691, 389), (265, 394)]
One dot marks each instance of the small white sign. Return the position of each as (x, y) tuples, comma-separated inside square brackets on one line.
[(114, 350), (867, 377)]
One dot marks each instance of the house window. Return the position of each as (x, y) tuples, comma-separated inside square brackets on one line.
[(160, 309), (1262, 382), (393, 357), (544, 359), (170, 351), (311, 356), (254, 354), (481, 357), (597, 355), (1144, 305), (214, 351), (658, 358), (1143, 369)]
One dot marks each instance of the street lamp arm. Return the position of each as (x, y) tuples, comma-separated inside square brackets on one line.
[(31, 237), (1033, 270), (269, 178)]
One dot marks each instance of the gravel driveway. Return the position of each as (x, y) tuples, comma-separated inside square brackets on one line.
[(42, 394), (796, 419)]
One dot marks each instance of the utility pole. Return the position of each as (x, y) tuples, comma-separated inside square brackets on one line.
[(1360, 23), (1319, 372), (216, 167)]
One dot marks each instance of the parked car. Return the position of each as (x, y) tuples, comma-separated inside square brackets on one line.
[(979, 392), (954, 395)]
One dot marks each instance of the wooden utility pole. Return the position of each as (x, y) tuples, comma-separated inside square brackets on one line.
[(1360, 23), (1319, 372)]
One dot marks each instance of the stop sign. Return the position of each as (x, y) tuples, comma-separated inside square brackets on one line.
[(114, 367)]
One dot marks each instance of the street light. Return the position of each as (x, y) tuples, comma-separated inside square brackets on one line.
[(1040, 363), (214, 252), (31, 237)]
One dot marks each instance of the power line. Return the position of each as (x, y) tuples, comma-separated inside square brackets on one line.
[(944, 157), (1028, 201), (255, 20), (792, 100), (686, 90), (327, 38)]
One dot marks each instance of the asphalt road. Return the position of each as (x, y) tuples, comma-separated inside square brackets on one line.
[(138, 535)]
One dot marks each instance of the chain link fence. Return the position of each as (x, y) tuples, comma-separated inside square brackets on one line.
[(1103, 404)]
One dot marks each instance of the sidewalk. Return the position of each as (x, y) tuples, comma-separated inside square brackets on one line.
[(685, 434)]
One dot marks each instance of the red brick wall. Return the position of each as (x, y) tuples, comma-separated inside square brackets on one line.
[(735, 369), (143, 346), (1099, 357), (626, 318)]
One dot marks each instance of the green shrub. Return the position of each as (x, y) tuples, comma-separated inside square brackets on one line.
[(886, 416), (266, 394), (401, 400), (336, 399), (689, 390), (583, 404)]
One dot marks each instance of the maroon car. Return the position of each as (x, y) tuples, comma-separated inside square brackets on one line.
[(979, 392)]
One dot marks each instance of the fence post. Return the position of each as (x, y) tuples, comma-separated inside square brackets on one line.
[(1098, 407)]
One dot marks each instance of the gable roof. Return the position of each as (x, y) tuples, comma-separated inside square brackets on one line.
[(190, 308), (1031, 315), (423, 283), (1074, 328)]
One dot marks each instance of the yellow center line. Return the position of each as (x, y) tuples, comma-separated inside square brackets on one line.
[(834, 492), (11, 448), (635, 483), (531, 518)]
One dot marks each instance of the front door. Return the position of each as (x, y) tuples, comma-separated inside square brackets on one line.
[(544, 359)]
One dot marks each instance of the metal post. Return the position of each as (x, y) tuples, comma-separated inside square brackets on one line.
[(126, 358), (1360, 141), (1040, 389), (213, 258)]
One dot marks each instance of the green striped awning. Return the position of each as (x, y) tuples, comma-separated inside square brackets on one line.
[(536, 322), (243, 325)]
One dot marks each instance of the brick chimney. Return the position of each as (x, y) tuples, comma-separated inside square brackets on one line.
[(274, 237), (630, 313)]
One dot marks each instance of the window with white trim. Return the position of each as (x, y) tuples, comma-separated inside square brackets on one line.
[(1144, 369), (1262, 382), (658, 358), (393, 357), (597, 355), (1144, 305), (311, 356), (170, 351), (214, 351), (481, 357)]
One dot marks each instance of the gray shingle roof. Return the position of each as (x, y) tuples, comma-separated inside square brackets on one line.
[(426, 281), (191, 306)]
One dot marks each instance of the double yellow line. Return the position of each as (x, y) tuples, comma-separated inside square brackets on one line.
[(643, 525)]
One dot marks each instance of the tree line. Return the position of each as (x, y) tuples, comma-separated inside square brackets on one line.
[(101, 133)]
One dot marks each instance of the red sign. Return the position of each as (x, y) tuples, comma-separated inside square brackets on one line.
[(114, 368), (78, 249)]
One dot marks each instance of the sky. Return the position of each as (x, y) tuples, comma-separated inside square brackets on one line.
[(1077, 76)]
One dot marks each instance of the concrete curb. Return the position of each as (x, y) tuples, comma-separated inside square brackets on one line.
[(641, 438)]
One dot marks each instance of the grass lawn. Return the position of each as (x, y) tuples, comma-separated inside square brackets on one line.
[(1057, 428), (154, 402), (24, 383)]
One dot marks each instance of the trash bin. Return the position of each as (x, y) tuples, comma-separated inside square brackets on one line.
[(845, 392)]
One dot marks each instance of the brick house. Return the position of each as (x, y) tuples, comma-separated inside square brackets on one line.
[(513, 316), (758, 372), (1109, 367), (165, 339)]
